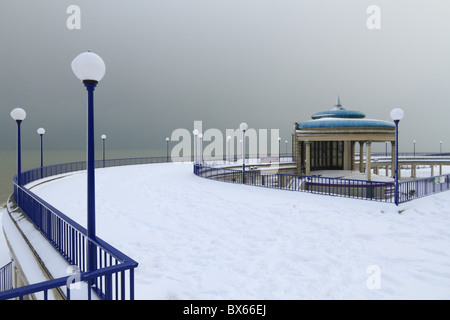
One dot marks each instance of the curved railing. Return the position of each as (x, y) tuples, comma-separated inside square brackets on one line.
[(351, 188), (6, 279), (114, 276), (418, 188)]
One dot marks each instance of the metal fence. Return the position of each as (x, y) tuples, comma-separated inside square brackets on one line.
[(360, 189), (71, 241), (413, 189), (52, 170), (114, 275), (6, 277)]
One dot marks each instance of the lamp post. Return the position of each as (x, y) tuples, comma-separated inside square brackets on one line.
[(243, 126), (18, 114), (396, 115), (440, 148), (103, 142), (90, 69), (41, 132), (414, 142), (195, 132), (167, 149), (279, 152), (242, 156)]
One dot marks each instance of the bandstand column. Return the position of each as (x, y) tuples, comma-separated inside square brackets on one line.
[(369, 160), (297, 154), (299, 161), (308, 157), (353, 155), (361, 156), (294, 148)]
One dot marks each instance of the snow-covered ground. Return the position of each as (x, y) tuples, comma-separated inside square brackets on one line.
[(201, 239)]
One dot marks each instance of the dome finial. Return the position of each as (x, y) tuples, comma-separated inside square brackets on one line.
[(338, 102)]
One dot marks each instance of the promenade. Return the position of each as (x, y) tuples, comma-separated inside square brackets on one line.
[(201, 239)]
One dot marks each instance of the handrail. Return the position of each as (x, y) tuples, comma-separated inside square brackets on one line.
[(362, 189), (41, 226), (418, 188), (6, 280), (45, 286), (351, 188), (70, 239)]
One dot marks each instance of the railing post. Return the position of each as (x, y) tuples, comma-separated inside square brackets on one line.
[(108, 287), (371, 190), (349, 188), (132, 284)]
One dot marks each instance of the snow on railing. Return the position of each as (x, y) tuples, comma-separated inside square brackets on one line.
[(114, 275), (361, 189), (351, 188)]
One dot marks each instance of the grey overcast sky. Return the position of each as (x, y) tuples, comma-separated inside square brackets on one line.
[(266, 62)]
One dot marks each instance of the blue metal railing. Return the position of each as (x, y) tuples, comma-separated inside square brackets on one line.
[(114, 275), (360, 189), (52, 170), (70, 240), (6, 277), (106, 274), (413, 189)]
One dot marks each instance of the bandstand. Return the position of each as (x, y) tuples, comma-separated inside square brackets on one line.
[(327, 142)]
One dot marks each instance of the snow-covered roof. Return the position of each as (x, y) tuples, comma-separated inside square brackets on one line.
[(339, 117), (330, 122)]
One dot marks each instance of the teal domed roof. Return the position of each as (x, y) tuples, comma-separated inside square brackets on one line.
[(338, 117), (344, 123), (339, 113)]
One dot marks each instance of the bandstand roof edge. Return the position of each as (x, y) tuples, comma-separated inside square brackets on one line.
[(374, 137)]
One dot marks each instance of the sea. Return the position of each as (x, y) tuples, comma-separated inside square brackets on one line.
[(32, 159)]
